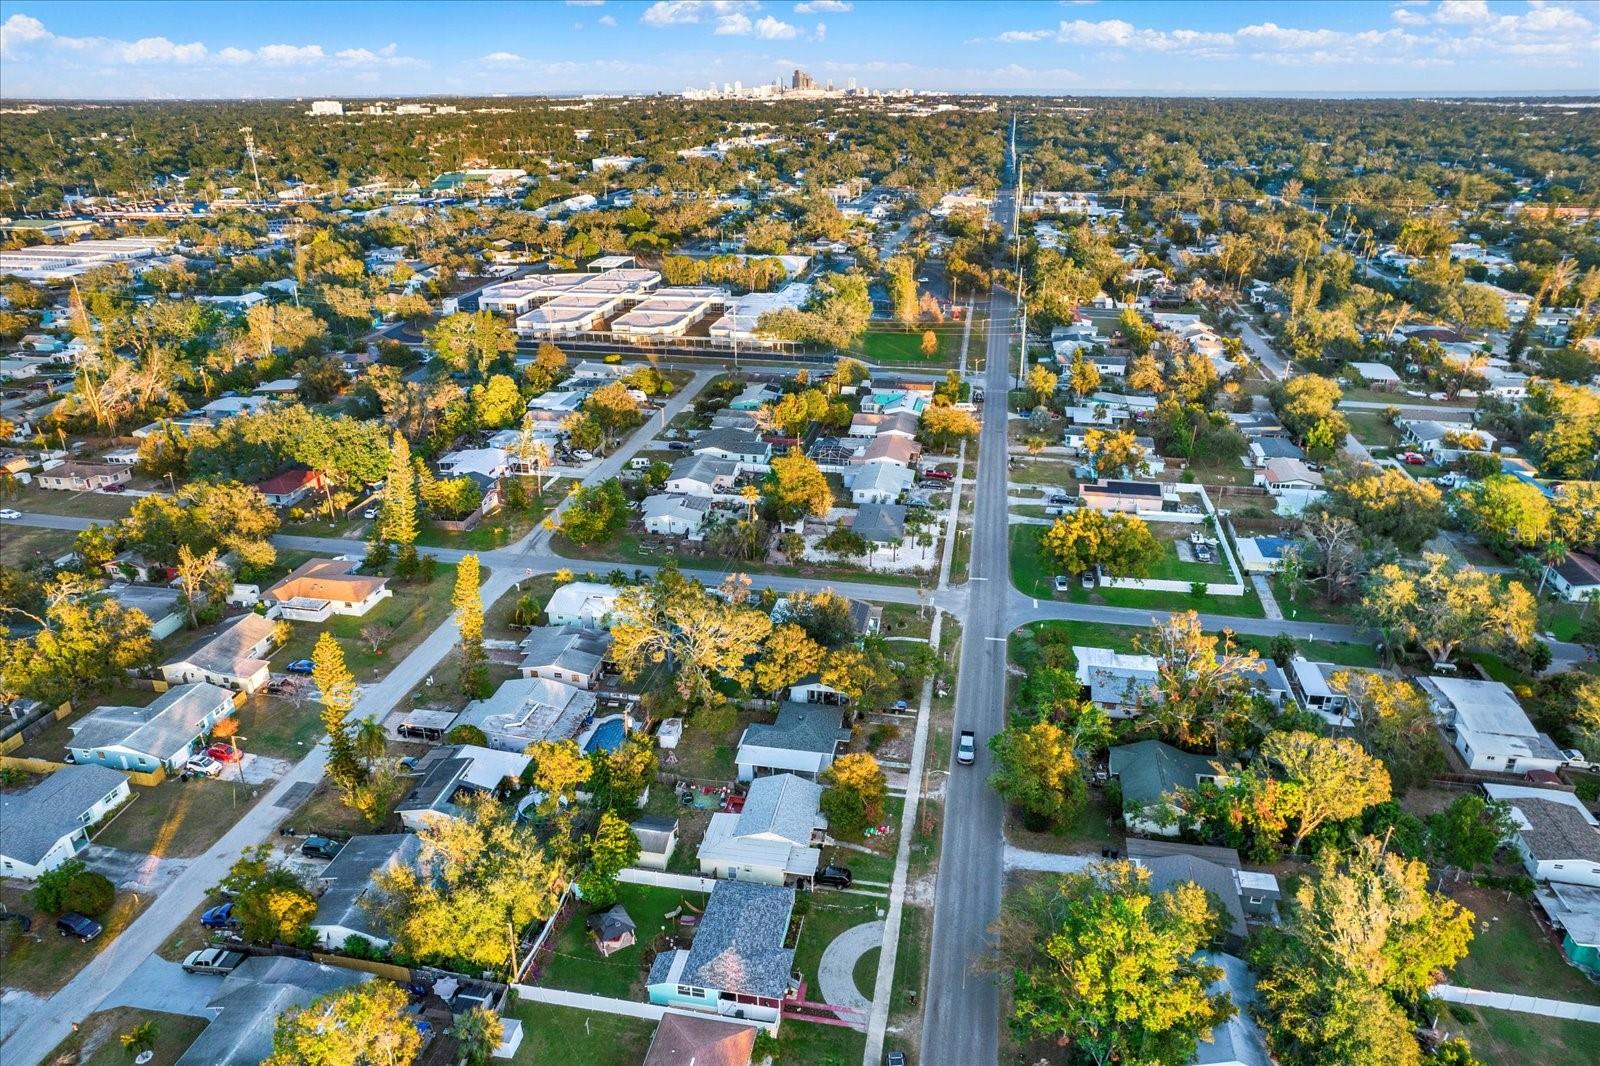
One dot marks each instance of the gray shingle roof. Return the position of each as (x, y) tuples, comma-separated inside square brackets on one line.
[(782, 805), (33, 820), (1150, 769), (577, 648), (706, 468), (1557, 831), (159, 729), (1169, 871), (250, 1000), (733, 441), (350, 874), (1239, 1039), (800, 727), (739, 945), (654, 831), (225, 653), (880, 523)]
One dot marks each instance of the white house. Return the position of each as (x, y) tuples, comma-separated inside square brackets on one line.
[(235, 658), (879, 482), (1492, 732), (1575, 579), (774, 839), (672, 514), (586, 603), (161, 735), (45, 824), (1557, 839), (702, 475), (320, 588), (1116, 680), (571, 654), (454, 773), (528, 710), (747, 450), (804, 741)]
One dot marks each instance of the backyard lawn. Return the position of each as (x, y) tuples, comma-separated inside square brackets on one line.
[(1508, 1038), (410, 615), (579, 1038), (802, 1043), (1511, 953), (573, 964), (177, 819), (41, 961), (279, 728), (905, 346), (97, 1040)]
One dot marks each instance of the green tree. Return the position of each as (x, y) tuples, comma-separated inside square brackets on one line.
[(699, 635), (594, 514), (479, 1032), (338, 687), (468, 602), (614, 849), (1387, 504), (1120, 545), (1108, 970), (559, 768), (854, 791), (1393, 722), (1037, 769), (1443, 607), (1507, 512), (397, 516), (361, 1025), (789, 655), (1466, 834), (471, 343), (269, 901), (496, 403), (798, 488), (1324, 779)]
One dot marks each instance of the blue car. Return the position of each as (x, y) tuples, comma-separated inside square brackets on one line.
[(299, 666), (219, 917)]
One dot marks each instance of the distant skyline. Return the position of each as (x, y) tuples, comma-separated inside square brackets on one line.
[(295, 48)]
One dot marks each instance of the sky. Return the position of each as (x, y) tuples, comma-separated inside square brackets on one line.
[(199, 49)]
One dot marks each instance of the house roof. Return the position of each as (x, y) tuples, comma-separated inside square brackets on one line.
[(530, 709), (800, 727), (676, 505), (251, 999), (1113, 676), (738, 947), (33, 820), (688, 1040), (1556, 831), (288, 481), (1149, 490), (450, 769), (886, 476), (350, 874), (736, 441), (1277, 448), (326, 579), (880, 523), (1239, 1040), (1167, 871), (1579, 570), (1150, 769), (891, 447), (159, 729), (706, 468), (582, 598), (654, 831), (784, 806), (226, 654), (580, 649), (1282, 470), (1491, 714)]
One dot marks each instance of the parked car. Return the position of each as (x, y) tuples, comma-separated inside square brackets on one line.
[(967, 750), (8, 513), (75, 924), (1578, 761), (677, 445), (1414, 459), (835, 877), (299, 666), (115, 488), (204, 765), (1054, 510), (370, 513), (219, 917), (320, 848), (212, 960), (1063, 583), (224, 752), (1058, 498), (938, 475), (1202, 552), (583, 455), (895, 1058)]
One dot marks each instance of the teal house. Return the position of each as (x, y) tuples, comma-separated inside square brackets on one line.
[(737, 965)]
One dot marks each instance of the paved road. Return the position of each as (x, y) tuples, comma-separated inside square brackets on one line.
[(1256, 344), (962, 1017)]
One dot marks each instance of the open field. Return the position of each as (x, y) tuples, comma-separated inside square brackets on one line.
[(24, 547), (904, 347)]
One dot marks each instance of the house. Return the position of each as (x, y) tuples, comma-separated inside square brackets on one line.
[(159, 736), (892, 448), (737, 964), (1238, 1041), (869, 426), (454, 773), (526, 710), (675, 515), (1575, 910), (1129, 496), (880, 524), (1557, 839), (586, 603), (1489, 727), (1575, 579), (774, 840), (159, 603), (572, 654), (686, 1040), (1445, 442), (1262, 555), (702, 475), (291, 486), (755, 395), (83, 477), (347, 882), (865, 618), (1378, 375), (804, 740), (236, 657), (658, 839), (811, 689), (1309, 683), (747, 450), (1116, 680), (47, 823), (245, 1007), (879, 483), (1264, 449), (612, 930), (1150, 772), (320, 588), (1294, 483), (1244, 895), (489, 464)]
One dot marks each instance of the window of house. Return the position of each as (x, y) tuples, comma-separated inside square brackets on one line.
[(1256, 901), (688, 990)]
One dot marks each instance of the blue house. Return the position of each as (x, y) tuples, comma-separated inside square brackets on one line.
[(737, 965)]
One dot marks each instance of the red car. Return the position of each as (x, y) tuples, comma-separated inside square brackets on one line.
[(224, 752), (115, 488), (1414, 459), (937, 475)]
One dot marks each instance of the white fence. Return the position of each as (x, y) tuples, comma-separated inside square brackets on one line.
[(684, 882), (1235, 587)]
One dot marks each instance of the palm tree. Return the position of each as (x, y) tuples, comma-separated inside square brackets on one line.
[(751, 496), (370, 740), (1553, 554)]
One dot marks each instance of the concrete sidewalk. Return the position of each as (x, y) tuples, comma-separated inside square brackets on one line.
[(1046, 861)]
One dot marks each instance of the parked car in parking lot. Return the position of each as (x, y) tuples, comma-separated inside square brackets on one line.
[(835, 877), (75, 924), (320, 848), (212, 960)]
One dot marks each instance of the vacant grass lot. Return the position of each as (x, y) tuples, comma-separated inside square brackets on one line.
[(279, 728), (402, 621), (24, 547), (1511, 953), (97, 1041), (102, 507), (574, 964), (632, 547), (579, 1038), (1507, 1038), (178, 819), (896, 346)]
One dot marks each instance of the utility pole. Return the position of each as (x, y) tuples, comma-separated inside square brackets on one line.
[(250, 150)]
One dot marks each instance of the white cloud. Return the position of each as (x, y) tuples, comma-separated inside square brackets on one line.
[(818, 7), (689, 12), (734, 25), (607, 20), (19, 30), (821, 32), (289, 54), (1025, 36), (503, 58), (771, 29)]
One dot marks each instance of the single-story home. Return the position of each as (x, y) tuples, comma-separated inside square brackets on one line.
[(236, 657), (804, 740), (675, 514), (1491, 730), (291, 486), (1116, 680), (1130, 496), (47, 823), (880, 524), (452, 773), (774, 840), (1150, 772), (702, 475), (879, 482), (160, 603), (1309, 682), (526, 710), (1557, 839), (83, 477), (1378, 375), (1238, 1041), (1445, 441), (686, 1040), (320, 588), (737, 961), (161, 735), (244, 1010), (1264, 449), (347, 881), (1575, 579), (586, 603), (572, 654), (658, 839), (747, 450), (1244, 895)]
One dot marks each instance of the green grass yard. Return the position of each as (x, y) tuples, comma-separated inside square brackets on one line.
[(1508, 1038), (414, 611), (631, 547), (97, 1040), (1511, 953), (178, 819), (573, 963), (831, 913), (904, 347), (579, 1038)]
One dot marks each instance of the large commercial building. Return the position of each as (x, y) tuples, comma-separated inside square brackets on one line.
[(57, 262)]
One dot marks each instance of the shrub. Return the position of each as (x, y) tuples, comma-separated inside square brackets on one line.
[(90, 893)]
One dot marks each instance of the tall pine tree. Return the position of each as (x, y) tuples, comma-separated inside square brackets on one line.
[(338, 688), (397, 520), (469, 618)]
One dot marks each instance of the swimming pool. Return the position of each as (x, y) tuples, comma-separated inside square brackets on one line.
[(607, 735)]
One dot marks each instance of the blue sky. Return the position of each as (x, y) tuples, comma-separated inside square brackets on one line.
[(159, 49)]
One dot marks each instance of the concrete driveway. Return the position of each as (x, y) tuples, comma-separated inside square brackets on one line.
[(156, 984), (133, 870)]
